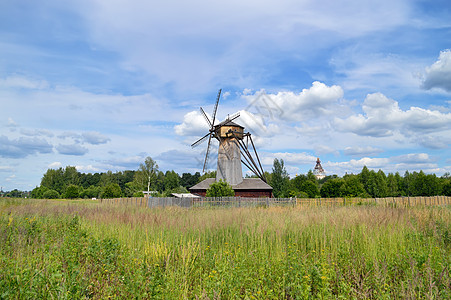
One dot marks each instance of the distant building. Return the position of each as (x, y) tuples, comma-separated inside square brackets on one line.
[(184, 195), (318, 171)]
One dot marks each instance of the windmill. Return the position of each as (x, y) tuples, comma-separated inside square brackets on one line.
[(233, 148)]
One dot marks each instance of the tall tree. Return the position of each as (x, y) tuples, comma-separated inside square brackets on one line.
[(279, 179), (146, 174), (53, 180), (171, 180)]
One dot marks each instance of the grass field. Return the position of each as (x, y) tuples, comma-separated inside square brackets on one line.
[(62, 249)]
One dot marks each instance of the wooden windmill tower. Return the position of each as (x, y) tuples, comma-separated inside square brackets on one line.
[(233, 150)]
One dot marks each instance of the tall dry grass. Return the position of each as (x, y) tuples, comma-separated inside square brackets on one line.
[(265, 253)]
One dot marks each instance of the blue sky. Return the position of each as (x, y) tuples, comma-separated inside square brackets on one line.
[(100, 85)]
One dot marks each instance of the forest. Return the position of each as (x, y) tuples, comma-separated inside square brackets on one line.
[(69, 183)]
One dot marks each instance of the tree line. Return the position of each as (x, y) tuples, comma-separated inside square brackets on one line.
[(69, 183), (368, 183)]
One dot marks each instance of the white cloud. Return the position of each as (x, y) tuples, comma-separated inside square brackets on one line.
[(318, 100), (209, 53), (22, 82), (12, 123), (290, 158), (36, 132), (362, 151), (193, 124), (87, 169), (94, 138), (74, 149), (6, 169), (383, 117), (22, 147), (55, 165), (438, 75)]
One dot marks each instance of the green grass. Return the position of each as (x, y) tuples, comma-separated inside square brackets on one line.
[(59, 249)]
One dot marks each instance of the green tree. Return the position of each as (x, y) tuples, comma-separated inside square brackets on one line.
[(446, 188), (220, 189), (352, 187), (146, 175), (188, 180), (365, 178), (310, 189), (171, 180), (377, 184), (71, 176), (332, 188), (50, 194), (393, 185), (425, 185), (38, 192), (211, 174), (107, 178), (112, 190), (91, 192), (279, 179), (72, 191), (53, 180)]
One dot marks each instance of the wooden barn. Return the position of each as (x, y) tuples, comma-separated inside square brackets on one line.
[(248, 187)]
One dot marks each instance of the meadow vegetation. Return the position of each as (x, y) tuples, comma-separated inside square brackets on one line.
[(71, 249)]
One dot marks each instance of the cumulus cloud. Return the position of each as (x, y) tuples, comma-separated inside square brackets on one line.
[(74, 149), (361, 151), (22, 147), (410, 161), (12, 123), (87, 168), (127, 162), (412, 158), (193, 124), (438, 75), (318, 100), (356, 165), (290, 158), (55, 165), (36, 132), (94, 138), (383, 116)]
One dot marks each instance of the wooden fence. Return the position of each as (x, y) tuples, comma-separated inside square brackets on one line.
[(268, 202)]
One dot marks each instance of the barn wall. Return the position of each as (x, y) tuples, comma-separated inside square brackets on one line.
[(241, 193)]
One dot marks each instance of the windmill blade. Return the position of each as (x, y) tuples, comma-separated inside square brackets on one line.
[(206, 155), (234, 116), (199, 141), (216, 108), (206, 117)]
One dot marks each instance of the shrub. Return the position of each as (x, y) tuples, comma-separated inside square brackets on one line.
[(50, 194), (72, 191), (220, 189), (113, 190)]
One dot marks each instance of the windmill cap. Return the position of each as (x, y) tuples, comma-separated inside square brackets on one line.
[(228, 123)]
